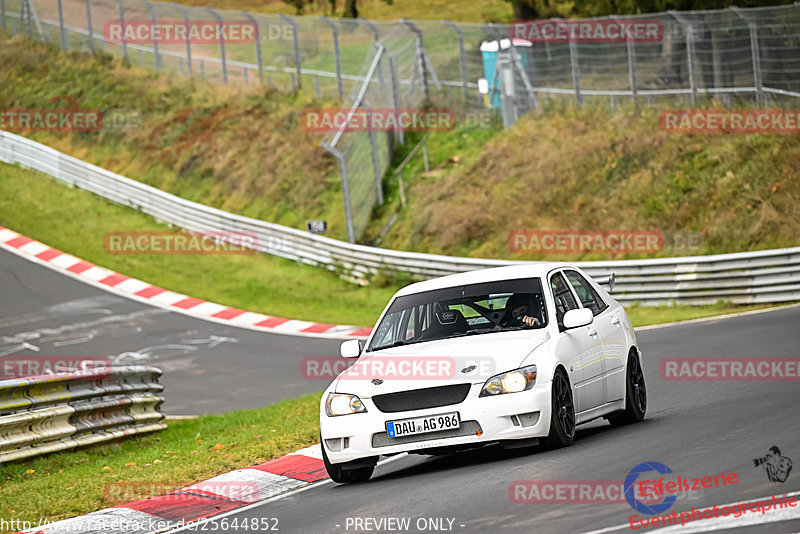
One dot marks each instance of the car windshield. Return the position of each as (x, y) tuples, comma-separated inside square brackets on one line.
[(461, 311)]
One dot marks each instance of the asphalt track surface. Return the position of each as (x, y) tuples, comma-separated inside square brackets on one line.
[(208, 367), (696, 428)]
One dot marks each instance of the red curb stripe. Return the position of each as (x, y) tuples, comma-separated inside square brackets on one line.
[(187, 303), (272, 322), (184, 506), (149, 292), (295, 466), (80, 267), (318, 328), (48, 254), (114, 279), (19, 241), (228, 313), (361, 332)]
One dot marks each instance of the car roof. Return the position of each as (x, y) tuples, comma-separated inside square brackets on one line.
[(510, 272)]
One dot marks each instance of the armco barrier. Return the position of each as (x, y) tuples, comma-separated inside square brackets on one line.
[(747, 277), (49, 413)]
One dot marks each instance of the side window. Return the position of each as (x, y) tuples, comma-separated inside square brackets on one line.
[(563, 297), (586, 293)]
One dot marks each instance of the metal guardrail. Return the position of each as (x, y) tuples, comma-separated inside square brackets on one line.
[(747, 277), (50, 413)]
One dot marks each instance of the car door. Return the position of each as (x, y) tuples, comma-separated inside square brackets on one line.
[(584, 347), (609, 326)]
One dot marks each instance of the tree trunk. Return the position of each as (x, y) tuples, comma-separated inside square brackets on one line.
[(350, 9)]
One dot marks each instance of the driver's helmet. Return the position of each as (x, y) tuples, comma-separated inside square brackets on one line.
[(515, 301)]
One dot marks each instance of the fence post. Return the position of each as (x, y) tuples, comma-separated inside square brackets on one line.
[(156, 55), (755, 52), (335, 31), (296, 49), (420, 52), (631, 66), (62, 29), (188, 39), (575, 66), (689, 31), (252, 19), (395, 90), (348, 215), (375, 168), (89, 23), (221, 44), (122, 21), (3, 12), (461, 59)]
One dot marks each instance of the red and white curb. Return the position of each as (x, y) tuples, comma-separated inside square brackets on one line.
[(156, 296), (201, 500)]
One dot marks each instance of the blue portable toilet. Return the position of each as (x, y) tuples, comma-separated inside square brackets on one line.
[(489, 51)]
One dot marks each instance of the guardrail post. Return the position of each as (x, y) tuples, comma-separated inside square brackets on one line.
[(296, 51), (252, 19), (221, 44), (156, 55), (755, 52), (89, 23), (461, 57), (348, 216), (335, 31), (122, 21), (188, 39)]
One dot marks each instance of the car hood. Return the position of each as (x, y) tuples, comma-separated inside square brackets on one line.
[(440, 362)]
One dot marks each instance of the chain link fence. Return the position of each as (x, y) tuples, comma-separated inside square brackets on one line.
[(483, 70)]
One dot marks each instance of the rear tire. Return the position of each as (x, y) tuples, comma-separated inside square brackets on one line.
[(635, 394), (562, 413), (340, 473)]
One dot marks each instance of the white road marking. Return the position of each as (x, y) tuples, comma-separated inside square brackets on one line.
[(194, 526)]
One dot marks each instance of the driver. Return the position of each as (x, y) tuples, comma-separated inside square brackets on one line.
[(518, 311)]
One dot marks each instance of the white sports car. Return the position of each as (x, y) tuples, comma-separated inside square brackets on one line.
[(515, 355)]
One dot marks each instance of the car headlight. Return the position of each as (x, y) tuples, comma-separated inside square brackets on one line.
[(343, 404), (510, 382)]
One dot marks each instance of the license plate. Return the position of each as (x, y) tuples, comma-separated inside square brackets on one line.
[(421, 425)]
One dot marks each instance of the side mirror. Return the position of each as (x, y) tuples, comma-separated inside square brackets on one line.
[(351, 348), (576, 318)]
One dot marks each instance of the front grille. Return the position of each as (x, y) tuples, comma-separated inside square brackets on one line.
[(468, 428), (420, 399)]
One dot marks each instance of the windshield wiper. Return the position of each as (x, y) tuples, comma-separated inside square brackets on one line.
[(397, 343)]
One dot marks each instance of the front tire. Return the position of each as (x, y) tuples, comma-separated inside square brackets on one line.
[(635, 394), (562, 413), (341, 474)]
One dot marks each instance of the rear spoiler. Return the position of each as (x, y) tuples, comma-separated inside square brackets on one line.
[(609, 280)]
